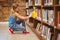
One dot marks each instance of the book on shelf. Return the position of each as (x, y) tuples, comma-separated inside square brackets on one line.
[(58, 37), (45, 15), (27, 11), (38, 14), (59, 2), (45, 2), (37, 2), (48, 2), (51, 17), (58, 18), (30, 2), (48, 36), (46, 32), (26, 4), (39, 28), (30, 10)]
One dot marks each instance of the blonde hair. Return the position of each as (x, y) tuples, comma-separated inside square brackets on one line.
[(14, 6)]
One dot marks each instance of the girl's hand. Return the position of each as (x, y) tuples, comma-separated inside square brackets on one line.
[(30, 15)]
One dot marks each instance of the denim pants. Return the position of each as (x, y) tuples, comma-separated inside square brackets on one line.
[(17, 26)]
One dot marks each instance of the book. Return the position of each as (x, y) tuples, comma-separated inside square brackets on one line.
[(46, 32), (37, 2), (38, 14), (45, 15), (30, 11), (48, 2), (59, 2), (58, 18), (43, 32), (26, 4), (30, 2), (27, 11), (39, 28), (48, 36), (45, 2), (58, 37), (51, 17)]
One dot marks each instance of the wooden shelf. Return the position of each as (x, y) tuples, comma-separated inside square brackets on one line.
[(58, 28), (37, 5), (57, 5), (45, 23), (38, 35), (48, 6)]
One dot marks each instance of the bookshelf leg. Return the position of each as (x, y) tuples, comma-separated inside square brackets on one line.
[(35, 23), (55, 34)]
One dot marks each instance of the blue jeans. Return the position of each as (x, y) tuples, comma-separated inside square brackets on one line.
[(17, 26)]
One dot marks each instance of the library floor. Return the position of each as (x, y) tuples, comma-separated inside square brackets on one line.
[(5, 34)]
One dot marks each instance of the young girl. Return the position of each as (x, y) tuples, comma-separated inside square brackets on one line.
[(14, 25)]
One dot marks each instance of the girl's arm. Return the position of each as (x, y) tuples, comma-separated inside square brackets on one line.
[(22, 17)]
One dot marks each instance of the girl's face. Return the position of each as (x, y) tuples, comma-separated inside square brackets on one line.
[(17, 9)]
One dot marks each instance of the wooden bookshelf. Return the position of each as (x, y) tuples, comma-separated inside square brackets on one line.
[(34, 30), (48, 5)]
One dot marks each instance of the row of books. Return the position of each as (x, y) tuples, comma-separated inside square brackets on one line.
[(38, 2), (30, 2), (44, 31), (28, 11), (48, 15), (48, 2), (58, 37)]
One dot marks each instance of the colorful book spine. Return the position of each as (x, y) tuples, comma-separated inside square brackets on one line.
[(48, 2), (38, 13), (39, 28), (48, 37), (45, 2), (58, 37), (45, 15), (46, 32), (37, 2), (26, 4), (50, 16), (30, 3), (27, 12)]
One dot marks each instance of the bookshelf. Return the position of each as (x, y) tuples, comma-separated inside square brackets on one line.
[(48, 18)]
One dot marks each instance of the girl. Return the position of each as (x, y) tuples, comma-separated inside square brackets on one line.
[(14, 25)]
